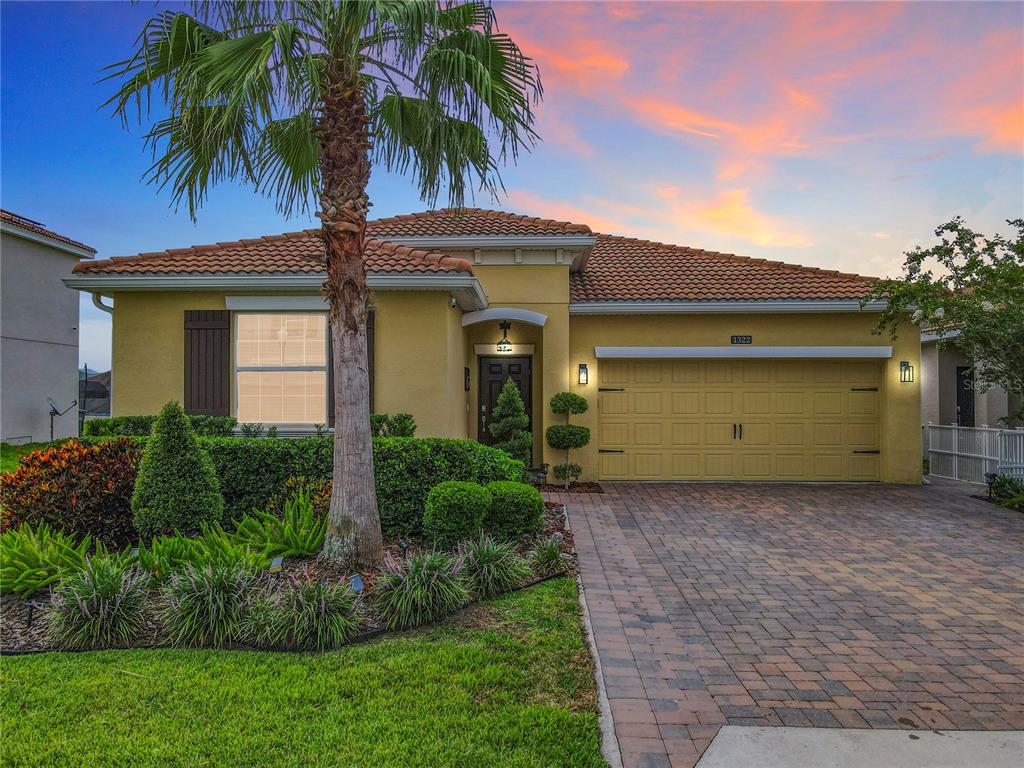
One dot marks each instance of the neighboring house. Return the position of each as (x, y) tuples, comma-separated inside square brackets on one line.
[(696, 365), (93, 393), (39, 329), (948, 393)]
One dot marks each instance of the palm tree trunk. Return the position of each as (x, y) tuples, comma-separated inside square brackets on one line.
[(353, 527)]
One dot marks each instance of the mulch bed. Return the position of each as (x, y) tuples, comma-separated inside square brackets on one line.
[(573, 488), (23, 621)]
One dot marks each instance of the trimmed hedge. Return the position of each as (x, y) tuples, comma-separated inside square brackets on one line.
[(516, 509), (455, 511), (252, 470), (141, 426), (177, 487)]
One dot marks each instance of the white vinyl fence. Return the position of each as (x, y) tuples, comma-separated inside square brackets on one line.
[(968, 453)]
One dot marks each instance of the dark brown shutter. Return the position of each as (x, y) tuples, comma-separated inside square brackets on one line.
[(330, 367), (208, 362)]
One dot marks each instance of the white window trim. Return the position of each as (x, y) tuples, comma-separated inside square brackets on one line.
[(236, 368)]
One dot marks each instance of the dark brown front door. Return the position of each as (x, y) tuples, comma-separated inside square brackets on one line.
[(494, 371)]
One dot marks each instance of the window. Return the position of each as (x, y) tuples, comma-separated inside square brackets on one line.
[(281, 367)]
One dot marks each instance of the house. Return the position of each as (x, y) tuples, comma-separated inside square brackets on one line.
[(39, 329), (697, 365), (93, 393), (948, 394)]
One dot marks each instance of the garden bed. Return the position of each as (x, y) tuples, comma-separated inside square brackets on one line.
[(573, 488), (24, 626), (506, 682)]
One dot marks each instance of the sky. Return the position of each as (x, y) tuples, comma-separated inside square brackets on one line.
[(836, 135)]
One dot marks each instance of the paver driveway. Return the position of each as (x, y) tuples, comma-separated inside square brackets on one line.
[(811, 605)]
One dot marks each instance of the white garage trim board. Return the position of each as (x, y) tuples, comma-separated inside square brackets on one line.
[(738, 351)]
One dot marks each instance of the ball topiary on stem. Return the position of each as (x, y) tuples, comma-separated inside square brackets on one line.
[(510, 424), (568, 437), (177, 487)]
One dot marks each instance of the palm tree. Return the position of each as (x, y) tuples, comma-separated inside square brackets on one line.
[(299, 100)]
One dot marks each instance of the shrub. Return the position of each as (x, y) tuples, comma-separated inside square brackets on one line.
[(177, 487), (31, 559), (299, 532), (102, 605), (516, 509), (546, 558), (167, 555), (252, 471), (567, 437), (386, 425), (1006, 487), (426, 587), (510, 424), (491, 568), (83, 490), (204, 606), (567, 473), (303, 614), (455, 510), (318, 489), (140, 426)]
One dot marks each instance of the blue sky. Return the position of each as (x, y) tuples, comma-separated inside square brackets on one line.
[(835, 135)]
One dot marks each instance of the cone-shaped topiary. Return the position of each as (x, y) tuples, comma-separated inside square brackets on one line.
[(510, 425), (177, 487), (568, 437)]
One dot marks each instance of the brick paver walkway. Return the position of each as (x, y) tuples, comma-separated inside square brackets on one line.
[(802, 605)]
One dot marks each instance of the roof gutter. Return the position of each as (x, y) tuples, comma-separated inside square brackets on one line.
[(466, 288), (35, 237), (720, 307)]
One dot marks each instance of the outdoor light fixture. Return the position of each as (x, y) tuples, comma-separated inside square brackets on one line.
[(356, 582), (504, 346), (906, 371), (584, 373), (276, 565)]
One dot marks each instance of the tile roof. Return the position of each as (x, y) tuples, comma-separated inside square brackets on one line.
[(290, 253), (469, 222), (8, 217), (627, 269)]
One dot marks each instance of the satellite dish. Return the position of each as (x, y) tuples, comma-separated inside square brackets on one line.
[(53, 405)]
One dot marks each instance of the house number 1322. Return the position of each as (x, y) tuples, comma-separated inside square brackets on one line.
[(742, 339)]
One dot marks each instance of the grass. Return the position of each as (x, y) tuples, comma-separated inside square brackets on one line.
[(506, 683), (9, 454)]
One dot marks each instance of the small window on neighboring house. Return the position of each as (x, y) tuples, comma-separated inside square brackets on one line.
[(281, 367)]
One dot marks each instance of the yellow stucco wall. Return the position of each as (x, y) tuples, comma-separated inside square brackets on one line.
[(420, 354), (422, 350), (900, 459)]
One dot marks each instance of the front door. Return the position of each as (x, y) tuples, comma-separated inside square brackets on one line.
[(494, 372), (965, 396)]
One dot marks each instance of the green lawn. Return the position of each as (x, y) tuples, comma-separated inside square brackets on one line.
[(517, 694), (9, 454)]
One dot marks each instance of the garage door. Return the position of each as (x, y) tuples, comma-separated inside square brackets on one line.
[(739, 419)]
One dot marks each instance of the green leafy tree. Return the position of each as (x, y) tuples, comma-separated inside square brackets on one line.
[(510, 425), (299, 100), (177, 487), (568, 437), (968, 289)]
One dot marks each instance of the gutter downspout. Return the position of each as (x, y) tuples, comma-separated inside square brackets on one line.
[(97, 301)]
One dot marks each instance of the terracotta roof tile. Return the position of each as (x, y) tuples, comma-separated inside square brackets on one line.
[(290, 253), (627, 269), (469, 222), (34, 226)]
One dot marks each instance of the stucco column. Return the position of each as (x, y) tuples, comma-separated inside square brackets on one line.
[(556, 370), (901, 412)]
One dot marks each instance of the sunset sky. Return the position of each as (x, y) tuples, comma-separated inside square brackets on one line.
[(835, 135)]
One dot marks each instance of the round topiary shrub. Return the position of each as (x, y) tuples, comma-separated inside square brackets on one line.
[(517, 509), (455, 511), (177, 487), (568, 403)]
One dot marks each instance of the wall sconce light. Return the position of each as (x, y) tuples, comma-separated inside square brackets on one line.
[(504, 346), (906, 371), (584, 373)]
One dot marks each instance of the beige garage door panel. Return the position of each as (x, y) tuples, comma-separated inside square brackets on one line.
[(679, 420)]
